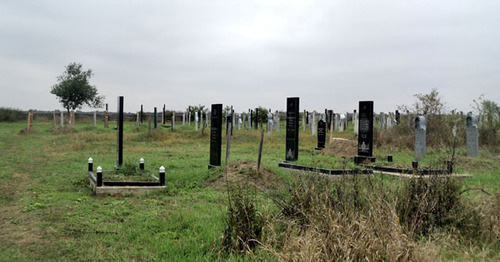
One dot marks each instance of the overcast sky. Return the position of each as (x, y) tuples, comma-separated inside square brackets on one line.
[(331, 54)]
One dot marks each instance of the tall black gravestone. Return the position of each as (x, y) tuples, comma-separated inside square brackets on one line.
[(142, 114), (330, 119), (256, 118), (365, 136), (163, 116), (292, 129), (119, 158), (321, 134), (215, 135)]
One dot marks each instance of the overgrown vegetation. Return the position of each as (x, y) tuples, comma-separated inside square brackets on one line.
[(11, 114)]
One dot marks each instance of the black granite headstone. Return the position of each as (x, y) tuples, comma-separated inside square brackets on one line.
[(256, 118), (330, 119), (365, 136), (156, 119), (216, 135), (164, 117), (141, 116), (292, 129), (119, 159), (398, 117), (321, 134)]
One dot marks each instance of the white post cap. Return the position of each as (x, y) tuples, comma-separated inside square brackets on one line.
[(99, 169), (162, 169), (141, 160), (90, 159)]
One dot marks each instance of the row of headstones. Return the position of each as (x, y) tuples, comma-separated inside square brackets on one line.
[(365, 137), (71, 118), (471, 136)]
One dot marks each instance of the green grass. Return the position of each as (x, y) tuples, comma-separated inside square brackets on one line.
[(48, 212)]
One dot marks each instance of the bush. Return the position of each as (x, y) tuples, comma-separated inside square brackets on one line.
[(244, 222), (11, 115), (348, 218)]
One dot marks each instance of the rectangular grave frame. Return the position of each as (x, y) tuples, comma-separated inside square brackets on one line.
[(336, 172), (111, 187)]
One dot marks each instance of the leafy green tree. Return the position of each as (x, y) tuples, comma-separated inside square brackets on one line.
[(73, 88), (487, 109), (195, 109)]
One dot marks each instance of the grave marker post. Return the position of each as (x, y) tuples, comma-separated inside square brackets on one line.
[(196, 121), (471, 135), (269, 123), (163, 115), (106, 117), (30, 119), (215, 135), (62, 119), (420, 130), (313, 124), (142, 114), (72, 118), (277, 121), (119, 159), (321, 134), (292, 129), (155, 118), (256, 118), (95, 118), (365, 136), (173, 119), (304, 120), (332, 121)]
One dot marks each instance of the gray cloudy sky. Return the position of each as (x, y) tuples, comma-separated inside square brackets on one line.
[(249, 53)]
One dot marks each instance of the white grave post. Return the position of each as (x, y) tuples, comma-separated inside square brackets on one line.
[(196, 121), (62, 119), (239, 122), (342, 119), (313, 128), (277, 121), (471, 135), (173, 119), (249, 119), (420, 130), (304, 120), (269, 123), (183, 118), (356, 123)]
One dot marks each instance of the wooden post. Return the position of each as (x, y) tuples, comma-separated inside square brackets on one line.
[(30, 119), (331, 128), (228, 143), (260, 150), (106, 117)]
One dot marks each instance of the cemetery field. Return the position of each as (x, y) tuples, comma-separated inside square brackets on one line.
[(48, 211)]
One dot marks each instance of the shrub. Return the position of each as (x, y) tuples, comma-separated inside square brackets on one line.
[(244, 222), (11, 115)]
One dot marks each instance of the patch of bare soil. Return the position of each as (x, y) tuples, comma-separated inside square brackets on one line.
[(244, 173), (62, 130), (341, 147), (26, 131)]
